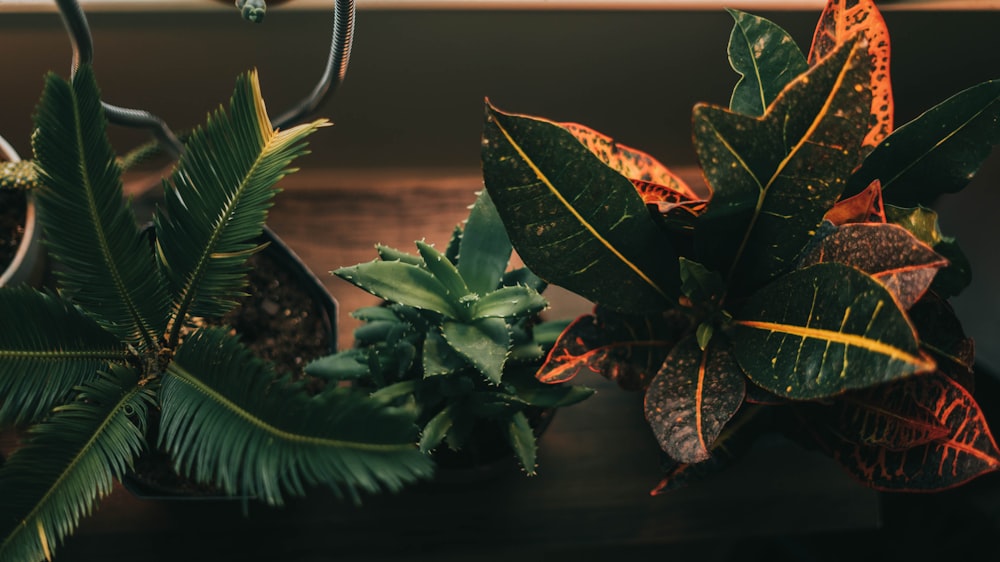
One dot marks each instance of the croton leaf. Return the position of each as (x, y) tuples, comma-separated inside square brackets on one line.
[(941, 334), (887, 252), (938, 152), (692, 398), (923, 223), (866, 206), (575, 221), (627, 349), (484, 342), (767, 59), (843, 21), (922, 434), (634, 164), (774, 177), (823, 330)]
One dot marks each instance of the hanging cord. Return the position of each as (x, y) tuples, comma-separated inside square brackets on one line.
[(336, 66), (83, 53)]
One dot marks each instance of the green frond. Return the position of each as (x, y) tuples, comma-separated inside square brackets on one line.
[(69, 463), (226, 420), (217, 201), (107, 267), (47, 347)]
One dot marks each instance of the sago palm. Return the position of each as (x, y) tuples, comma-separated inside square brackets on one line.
[(84, 370)]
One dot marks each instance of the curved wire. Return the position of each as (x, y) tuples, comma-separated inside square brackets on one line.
[(83, 53), (333, 75), (336, 66)]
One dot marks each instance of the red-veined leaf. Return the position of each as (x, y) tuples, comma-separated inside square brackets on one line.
[(634, 164), (626, 349), (692, 398), (774, 177), (887, 252), (937, 460), (841, 22), (866, 206), (824, 330), (574, 221)]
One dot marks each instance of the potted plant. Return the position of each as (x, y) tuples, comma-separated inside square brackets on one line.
[(808, 287), (123, 344), (459, 338), (21, 258)]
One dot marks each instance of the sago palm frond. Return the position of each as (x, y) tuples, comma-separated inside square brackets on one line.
[(68, 463), (230, 423), (107, 266), (47, 347), (217, 201)]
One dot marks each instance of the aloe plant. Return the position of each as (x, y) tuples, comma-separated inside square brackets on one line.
[(86, 369), (457, 337), (809, 278)]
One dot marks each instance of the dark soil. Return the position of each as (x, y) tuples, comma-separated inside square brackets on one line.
[(13, 207), (279, 322)]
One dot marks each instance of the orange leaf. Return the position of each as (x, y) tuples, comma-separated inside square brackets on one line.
[(629, 162), (840, 22), (866, 206)]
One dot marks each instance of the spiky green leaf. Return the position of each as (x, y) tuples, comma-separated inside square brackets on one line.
[(47, 347), (447, 274), (106, 264), (69, 463), (484, 342), (225, 420), (522, 440), (485, 248), (510, 303), (217, 200), (403, 283)]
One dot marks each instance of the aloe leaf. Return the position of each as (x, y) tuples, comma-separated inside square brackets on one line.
[(436, 429), (691, 399), (844, 21), (70, 462), (510, 303), (106, 264), (484, 342), (938, 152), (403, 283), (485, 248), (774, 177), (823, 330), (447, 274), (349, 364), (387, 253), (217, 200), (521, 437), (767, 59), (227, 421), (573, 220), (439, 358)]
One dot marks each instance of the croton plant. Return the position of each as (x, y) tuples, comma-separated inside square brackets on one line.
[(809, 279)]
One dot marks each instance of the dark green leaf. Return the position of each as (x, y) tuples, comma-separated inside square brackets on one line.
[(69, 462), (509, 303), (439, 358), (225, 420), (699, 284), (435, 430), (106, 265), (691, 399), (447, 274), (521, 437), (936, 153), (923, 223), (574, 221), (775, 177), (484, 342), (216, 201), (47, 347), (823, 330), (485, 248), (403, 283), (349, 364), (766, 57), (386, 253)]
